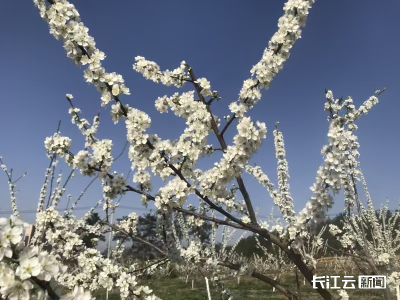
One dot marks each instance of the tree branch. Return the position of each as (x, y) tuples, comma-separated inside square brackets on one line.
[(227, 124), (222, 142), (290, 295), (116, 228), (46, 287), (207, 218)]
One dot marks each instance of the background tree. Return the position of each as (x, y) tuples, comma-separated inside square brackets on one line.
[(146, 230), (333, 244), (88, 239), (248, 246), (203, 232)]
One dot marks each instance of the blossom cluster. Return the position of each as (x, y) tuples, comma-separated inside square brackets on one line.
[(274, 56), (57, 144), (26, 269), (247, 141), (285, 200), (150, 70), (100, 156), (65, 24), (393, 280), (192, 142), (83, 124), (11, 187), (129, 225), (65, 235), (340, 167), (263, 179), (173, 194), (384, 241)]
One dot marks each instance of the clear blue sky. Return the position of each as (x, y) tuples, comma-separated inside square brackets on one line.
[(350, 47)]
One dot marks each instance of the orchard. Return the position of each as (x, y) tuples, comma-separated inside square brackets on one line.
[(197, 184)]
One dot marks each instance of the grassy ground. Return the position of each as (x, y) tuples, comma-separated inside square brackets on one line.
[(249, 288)]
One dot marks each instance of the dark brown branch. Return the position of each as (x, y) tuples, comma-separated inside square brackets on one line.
[(122, 152), (346, 253), (46, 287), (218, 149), (160, 262), (222, 142), (130, 188), (79, 119), (297, 284), (207, 218), (227, 124)]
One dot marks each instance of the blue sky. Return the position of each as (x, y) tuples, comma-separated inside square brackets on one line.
[(350, 47)]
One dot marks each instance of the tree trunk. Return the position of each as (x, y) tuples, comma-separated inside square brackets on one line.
[(297, 284)]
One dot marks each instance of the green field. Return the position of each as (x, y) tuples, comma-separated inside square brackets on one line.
[(249, 288)]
